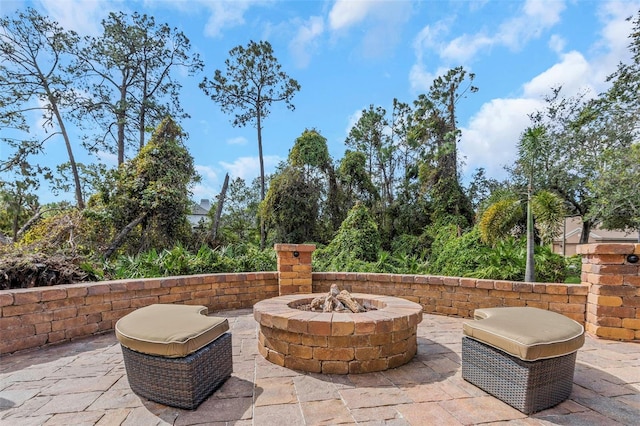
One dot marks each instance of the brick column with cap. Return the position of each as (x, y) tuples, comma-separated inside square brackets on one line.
[(294, 268), (613, 303)]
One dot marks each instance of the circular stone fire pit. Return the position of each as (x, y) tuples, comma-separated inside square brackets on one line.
[(338, 342)]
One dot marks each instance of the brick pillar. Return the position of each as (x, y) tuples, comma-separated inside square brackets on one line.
[(294, 268), (613, 302)]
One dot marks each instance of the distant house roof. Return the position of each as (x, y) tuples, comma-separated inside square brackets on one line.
[(199, 211), (573, 230)]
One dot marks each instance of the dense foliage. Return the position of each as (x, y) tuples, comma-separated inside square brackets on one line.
[(20, 269), (393, 203), (469, 256)]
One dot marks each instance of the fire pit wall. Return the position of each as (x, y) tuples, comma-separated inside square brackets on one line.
[(338, 342)]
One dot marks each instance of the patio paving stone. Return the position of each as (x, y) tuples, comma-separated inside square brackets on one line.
[(427, 413), (481, 409), (84, 382), (379, 415), (276, 390), (326, 412), (278, 415), (68, 403), (374, 397), (86, 418), (313, 388)]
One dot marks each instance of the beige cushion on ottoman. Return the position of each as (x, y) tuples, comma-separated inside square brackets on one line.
[(171, 331), (527, 333)]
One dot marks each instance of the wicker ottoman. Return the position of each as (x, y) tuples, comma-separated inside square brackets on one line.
[(175, 354), (522, 356)]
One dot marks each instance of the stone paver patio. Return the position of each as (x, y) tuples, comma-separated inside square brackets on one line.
[(84, 383)]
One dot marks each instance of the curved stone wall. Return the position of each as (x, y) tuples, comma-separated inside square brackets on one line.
[(39, 316), (607, 301)]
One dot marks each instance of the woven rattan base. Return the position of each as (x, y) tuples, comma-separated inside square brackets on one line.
[(529, 386), (180, 382)]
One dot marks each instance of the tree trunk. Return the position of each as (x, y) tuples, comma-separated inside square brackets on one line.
[(121, 109), (18, 233), (263, 233), (586, 230), (216, 219), (142, 118), (29, 223), (453, 157), (63, 130), (119, 239), (72, 161), (16, 217), (530, 274)]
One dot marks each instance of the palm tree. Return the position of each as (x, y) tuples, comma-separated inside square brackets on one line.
[(500, 218)]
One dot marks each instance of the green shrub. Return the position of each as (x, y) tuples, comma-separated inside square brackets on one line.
[(573, 269), (506, 260), (179, 261), (357, 240), (468, 256), (456, 256)]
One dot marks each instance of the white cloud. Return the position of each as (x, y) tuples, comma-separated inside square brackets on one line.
[(490, 139), (209, 183), (248, 168), (201, 191), (206, 172), (238, 140), (421, 80), (352, 120), (557, 43), (465, 47), (224, 14), (346, 13), (107, 158), (384, 22), (82, 16), (538, 15), (306, 40), (613, 45), (428, 38), (573, 73), (535, 17)]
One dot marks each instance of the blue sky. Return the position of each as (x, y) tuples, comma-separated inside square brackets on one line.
[(348, 54)]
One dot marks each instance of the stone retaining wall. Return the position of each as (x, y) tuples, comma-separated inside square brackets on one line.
[(461, 296), (607, 301), (35, 317)]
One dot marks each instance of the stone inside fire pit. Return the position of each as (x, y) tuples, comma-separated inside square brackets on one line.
[(338, 342)]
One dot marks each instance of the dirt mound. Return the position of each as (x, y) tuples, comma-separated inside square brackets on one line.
[(39, 270)]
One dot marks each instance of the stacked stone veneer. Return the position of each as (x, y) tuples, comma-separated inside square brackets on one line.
[(35, 317), (294, 267), (461, 296), (338, 342), (613, 303)]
